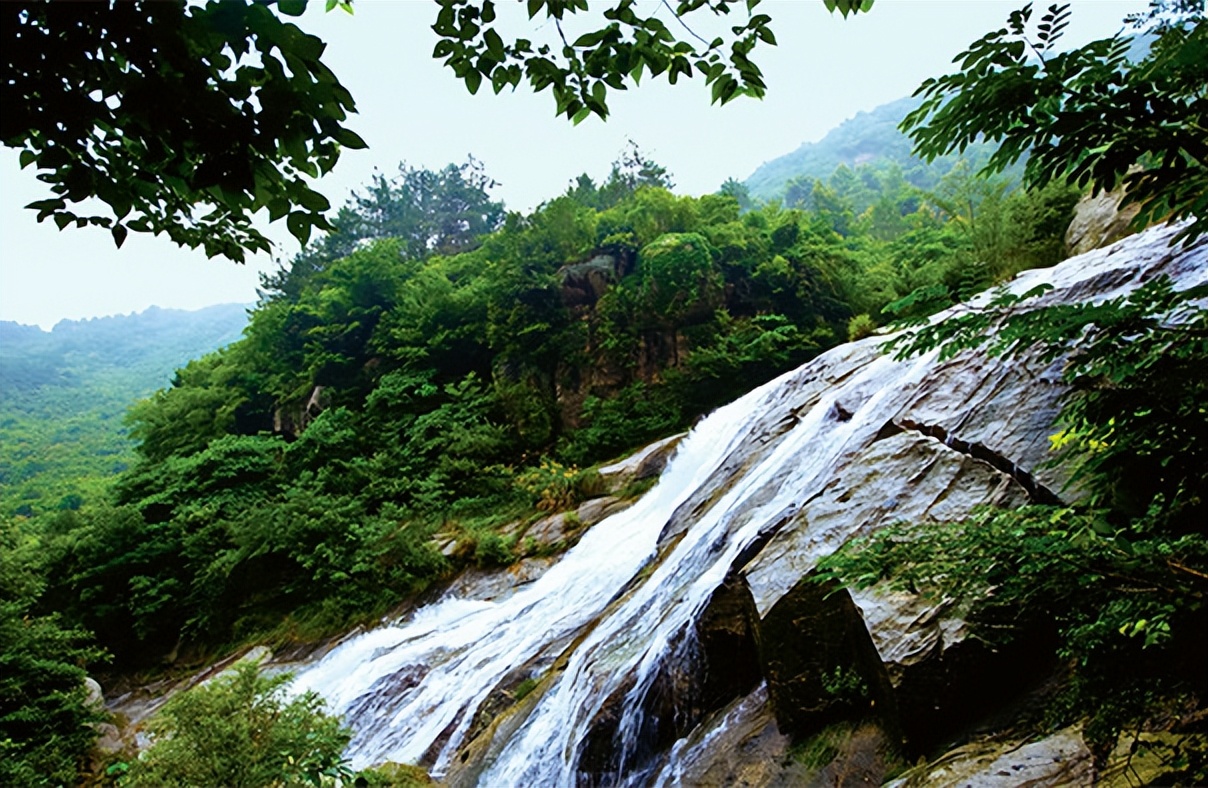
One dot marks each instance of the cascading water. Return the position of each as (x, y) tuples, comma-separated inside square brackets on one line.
[(459, 649), (410, 690)]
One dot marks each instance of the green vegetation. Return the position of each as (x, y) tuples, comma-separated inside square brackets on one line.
[(64, 393), (239, 729), (45, 714), (579, 70), (1123, 573)]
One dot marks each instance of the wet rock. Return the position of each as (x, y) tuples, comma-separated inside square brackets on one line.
[(726, 634), (1058, 760), (497, 584), (819, 662), (558, 531), (596, 509), (643, 464), (739, 745), (942, 681), (708, 668)]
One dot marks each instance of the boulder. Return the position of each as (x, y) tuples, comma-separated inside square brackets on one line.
[(819, 662), (584, 283), (1098, 221), (641, 465), (499, 583), (1058, 760), (558, 531)]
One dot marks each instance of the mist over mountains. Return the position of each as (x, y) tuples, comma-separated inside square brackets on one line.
[(64, 394)]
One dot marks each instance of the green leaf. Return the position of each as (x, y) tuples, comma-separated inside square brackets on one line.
[(299, 225), (293, 7), (473, 79)]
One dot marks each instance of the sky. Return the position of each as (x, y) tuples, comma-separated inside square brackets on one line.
[(824, 70)]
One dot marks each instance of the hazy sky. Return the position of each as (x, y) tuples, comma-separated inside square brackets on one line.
[(824, 70)]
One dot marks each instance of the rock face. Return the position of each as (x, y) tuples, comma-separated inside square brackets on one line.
[(1058, 760), (1098, 221), (685, 642)]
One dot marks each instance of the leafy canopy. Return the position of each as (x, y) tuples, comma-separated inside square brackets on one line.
[(579, 71), (1088, 115), (182, 119)]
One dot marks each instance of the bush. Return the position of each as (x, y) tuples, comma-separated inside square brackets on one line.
[(859, 327), (240, 730), (493, 549), (556, 487), (45, 717)]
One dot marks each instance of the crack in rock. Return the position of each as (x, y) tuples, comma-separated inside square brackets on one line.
[(1036, 491)]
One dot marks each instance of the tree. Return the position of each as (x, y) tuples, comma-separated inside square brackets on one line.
[(45, 714), (239, 730), (183, 119), (187, 120), (430, 211), (1088, 116)]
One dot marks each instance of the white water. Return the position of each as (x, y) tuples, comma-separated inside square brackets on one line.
[(403, 687), (466, 647)]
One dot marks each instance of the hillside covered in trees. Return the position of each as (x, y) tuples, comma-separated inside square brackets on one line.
[(855, 156), (442, 365), (64, 394)]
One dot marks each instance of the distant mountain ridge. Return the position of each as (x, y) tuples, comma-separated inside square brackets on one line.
[(870, 138), (148, 345), (64, 394)]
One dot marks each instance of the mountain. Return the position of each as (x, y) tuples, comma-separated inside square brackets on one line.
[(64, 393), (870, 138)]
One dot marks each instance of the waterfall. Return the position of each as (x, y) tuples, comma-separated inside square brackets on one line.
[(455, 651), (621, 604)]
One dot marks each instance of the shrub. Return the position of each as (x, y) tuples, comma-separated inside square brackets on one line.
[(241, 730), (859, 327)]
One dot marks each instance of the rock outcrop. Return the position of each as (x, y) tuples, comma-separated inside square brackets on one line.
[(1099, 221)]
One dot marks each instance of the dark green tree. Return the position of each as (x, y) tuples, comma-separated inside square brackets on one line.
[(45, 717), (241, 730), (183, 119), (427, 211)]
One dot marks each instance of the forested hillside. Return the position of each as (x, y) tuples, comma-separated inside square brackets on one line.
[(855, 157), (64, 395), (444, 366)]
